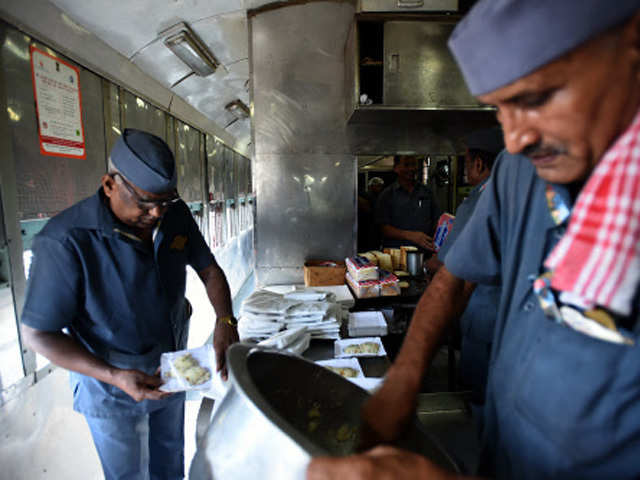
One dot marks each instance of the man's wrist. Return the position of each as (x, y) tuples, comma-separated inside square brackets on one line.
[(229, 320)]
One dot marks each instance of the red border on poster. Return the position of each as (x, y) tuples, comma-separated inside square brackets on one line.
[(54, 140)]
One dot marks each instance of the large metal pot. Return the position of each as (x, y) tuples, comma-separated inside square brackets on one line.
[(280, 411)]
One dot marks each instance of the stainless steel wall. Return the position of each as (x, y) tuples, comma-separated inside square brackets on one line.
[(304, 173)]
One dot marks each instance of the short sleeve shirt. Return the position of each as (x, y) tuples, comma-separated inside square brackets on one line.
[(418, 210), (121, 299), (559, 403)]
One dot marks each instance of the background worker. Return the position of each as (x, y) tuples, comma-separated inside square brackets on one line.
[(477, 321), (105, 299), (407, 211), (558, 229), (368, 231)]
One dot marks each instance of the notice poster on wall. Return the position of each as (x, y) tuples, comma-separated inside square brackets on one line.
[(56, 87)]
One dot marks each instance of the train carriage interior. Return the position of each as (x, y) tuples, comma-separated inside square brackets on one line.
[(278, 114)]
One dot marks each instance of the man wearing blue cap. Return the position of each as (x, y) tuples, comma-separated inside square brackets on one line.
[(477, 321), (558, 227), (106, 298)]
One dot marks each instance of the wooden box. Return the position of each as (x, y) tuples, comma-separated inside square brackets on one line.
[(324, 272)]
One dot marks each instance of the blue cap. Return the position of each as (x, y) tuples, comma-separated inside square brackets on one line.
[(488, 140), (145, 160), (500, 41)]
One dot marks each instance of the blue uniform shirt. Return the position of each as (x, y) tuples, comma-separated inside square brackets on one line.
[(121, 299), (417, 211), (478, 320), (559, 403)]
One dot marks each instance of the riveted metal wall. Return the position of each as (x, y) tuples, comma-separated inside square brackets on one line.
[(188, 162), (136, 113), (47, 184)]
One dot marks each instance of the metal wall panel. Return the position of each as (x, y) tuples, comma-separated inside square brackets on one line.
[(189, 163), (306, 209), (46, 184), (419, 68), (111, 108), (136, 113), (298, 86), (304, 175)]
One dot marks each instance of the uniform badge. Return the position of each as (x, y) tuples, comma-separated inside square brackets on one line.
[(178, 243)]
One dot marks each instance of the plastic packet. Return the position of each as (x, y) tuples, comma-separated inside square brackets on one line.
[(193, 369)]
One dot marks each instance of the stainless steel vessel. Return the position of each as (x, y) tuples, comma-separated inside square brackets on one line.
[(414, 263), (279, 412)]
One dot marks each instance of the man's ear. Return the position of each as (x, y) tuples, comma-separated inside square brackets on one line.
[(108, 185), (478, 164), (631, 32)]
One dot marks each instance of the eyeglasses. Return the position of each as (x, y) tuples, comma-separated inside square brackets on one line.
[(143, 203)]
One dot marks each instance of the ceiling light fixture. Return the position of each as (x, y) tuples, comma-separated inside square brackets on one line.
[(238, 109), (188, 47)]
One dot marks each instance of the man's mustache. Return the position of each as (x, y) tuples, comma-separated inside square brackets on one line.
[(541, 150)]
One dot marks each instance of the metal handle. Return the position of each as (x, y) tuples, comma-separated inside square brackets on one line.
[(410, 3)]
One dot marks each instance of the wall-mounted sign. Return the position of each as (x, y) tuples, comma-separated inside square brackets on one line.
[(56, 88)]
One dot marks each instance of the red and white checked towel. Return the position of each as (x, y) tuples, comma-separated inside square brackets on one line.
[(598, 259)]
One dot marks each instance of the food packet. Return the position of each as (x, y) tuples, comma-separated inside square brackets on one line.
[(193, 369)]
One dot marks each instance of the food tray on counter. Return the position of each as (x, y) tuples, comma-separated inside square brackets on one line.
[(348, 347), (367, 324), (351, 363)]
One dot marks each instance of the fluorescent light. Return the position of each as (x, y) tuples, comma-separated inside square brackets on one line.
[(238, 109), (188, 47)]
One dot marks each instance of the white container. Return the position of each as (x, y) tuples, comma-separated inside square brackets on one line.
[(367, 324), (343, 363), (342, 347)]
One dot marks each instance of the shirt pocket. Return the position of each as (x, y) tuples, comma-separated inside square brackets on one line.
[(581, 393)]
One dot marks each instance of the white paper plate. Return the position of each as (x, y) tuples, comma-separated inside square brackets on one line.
[(343, 363), (340, 345)]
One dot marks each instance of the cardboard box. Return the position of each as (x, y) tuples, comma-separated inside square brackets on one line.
[(324, 272)]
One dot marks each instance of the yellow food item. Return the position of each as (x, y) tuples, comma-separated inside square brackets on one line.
[(370, 347), (344, 371), (345, 433), (190, 370), (366, 347), (403, 284), (196, 375), (184, 362)]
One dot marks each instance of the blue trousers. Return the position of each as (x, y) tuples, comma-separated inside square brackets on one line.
[(144, 447)]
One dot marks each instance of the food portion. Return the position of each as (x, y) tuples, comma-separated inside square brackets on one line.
[(347, 372), (366, 347), (190, 370)]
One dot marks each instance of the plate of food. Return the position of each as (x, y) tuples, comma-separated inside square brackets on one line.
[(185, 370), (359, 347), (348, 368)]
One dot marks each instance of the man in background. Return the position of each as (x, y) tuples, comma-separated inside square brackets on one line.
[(407, 211), (368, 231), (105, 299), (477, 321)]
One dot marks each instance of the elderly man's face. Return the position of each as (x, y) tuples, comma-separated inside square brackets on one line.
[(566, 114)]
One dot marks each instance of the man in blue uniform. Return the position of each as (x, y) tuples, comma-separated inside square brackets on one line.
[(106, 298), (563, 394), (407, 211), (477, 321)]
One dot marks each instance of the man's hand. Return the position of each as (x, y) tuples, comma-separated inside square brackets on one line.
[(421, 239), (138, 385), (381, 463), (223, 336)]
